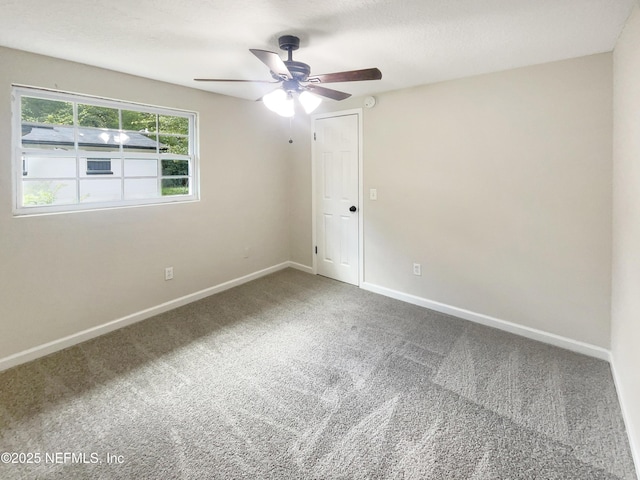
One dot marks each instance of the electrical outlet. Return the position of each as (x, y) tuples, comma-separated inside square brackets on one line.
[(417, 269), (168, 273)]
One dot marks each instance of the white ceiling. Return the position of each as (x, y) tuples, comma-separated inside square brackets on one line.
[(413, 42)]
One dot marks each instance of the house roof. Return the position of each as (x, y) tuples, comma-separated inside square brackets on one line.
[(87, 137)]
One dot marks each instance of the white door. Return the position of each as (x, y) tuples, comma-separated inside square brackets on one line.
[(336, 154)]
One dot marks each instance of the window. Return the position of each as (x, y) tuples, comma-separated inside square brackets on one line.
[(99, 167), (76, 152)]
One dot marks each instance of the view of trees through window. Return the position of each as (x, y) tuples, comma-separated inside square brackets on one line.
[(144, 153), (171, 131)]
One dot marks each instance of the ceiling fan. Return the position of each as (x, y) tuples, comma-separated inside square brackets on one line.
[(296, 79)]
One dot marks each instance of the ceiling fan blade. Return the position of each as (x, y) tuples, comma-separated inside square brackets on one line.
[(274, 62), (233, 80), (328, 92), (350, 76)]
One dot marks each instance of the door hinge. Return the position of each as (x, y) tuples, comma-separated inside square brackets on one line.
[(314, 135), (316, 249)]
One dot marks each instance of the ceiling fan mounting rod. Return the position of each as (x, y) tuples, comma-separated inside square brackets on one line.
[(289, 43)]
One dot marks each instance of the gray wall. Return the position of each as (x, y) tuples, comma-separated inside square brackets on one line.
[(625, 331), (500, 186), (56, 279)]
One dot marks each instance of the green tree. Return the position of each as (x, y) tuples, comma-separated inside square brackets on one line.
[(57, 112), (41, 193), (170, 124), (175, 167), (139, 121), (175, 186), (98, 117), (42, 110), (179, 145)]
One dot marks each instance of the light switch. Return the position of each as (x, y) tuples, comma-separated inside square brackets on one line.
[(373, 194)]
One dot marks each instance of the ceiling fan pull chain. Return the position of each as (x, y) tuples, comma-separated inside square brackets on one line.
[(290, 129)]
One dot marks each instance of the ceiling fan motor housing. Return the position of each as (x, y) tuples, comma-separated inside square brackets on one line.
[(299, 71), (289, 42)]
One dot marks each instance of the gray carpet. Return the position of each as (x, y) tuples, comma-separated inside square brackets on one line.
[(296, 376)]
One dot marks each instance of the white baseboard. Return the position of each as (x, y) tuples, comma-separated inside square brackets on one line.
[(299, 266), (624, 407), (74, 339), (528, 332)]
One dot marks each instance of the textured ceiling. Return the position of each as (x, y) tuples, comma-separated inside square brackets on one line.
[(413, 42)]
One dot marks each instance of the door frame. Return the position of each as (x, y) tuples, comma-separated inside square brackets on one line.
[(340, 113)]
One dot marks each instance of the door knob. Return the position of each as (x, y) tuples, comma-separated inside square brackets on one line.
[(353, 208)]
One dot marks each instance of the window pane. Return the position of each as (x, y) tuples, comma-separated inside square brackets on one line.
[(175, 167), (50, 138), (138, 121), (169, 124), (42, 110), (175, 186), (100, 190), (140, 188), (140, 142), (178, 145), (100, 139), (145, 167), (100, 117), (48, 167), (48, 192)]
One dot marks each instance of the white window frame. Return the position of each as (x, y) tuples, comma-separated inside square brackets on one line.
[(20, 152)]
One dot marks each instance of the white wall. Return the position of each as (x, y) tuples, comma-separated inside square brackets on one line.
[(62, 274), (625, 331), (300, 192), (500, 186)]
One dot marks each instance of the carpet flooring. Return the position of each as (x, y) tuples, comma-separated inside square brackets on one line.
[(295, 376)]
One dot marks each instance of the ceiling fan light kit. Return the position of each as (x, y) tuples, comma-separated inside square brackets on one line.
[(280, 102), (297, 81), (309, 101)]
